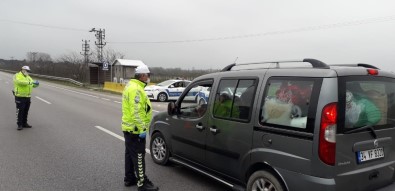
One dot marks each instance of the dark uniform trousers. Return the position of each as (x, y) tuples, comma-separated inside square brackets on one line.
[(22, 109), (134, 158)]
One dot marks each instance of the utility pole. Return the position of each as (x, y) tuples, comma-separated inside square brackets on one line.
[(85, 49), (100, 36)]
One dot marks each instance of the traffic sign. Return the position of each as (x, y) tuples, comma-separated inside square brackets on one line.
[(105, 66)]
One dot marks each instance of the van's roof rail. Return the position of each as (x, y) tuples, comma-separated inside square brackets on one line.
[(315, 63), (357, 65)]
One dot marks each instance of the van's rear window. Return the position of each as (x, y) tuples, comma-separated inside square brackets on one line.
[(366, 101)]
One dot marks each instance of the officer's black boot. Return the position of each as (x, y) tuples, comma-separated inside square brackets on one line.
[(148, 186), (27, 126), (129, 183), (19, 127)]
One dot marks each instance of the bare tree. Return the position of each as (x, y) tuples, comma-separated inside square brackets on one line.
[(110, 55), (38, 57), (72, 65), (43, 57)]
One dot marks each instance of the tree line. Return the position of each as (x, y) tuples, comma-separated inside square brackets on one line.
[(72, 65)]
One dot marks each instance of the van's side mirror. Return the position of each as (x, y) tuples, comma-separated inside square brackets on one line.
[(171, 108), (171, 86)]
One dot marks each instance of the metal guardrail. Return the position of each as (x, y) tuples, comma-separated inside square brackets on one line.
[(49, 77)]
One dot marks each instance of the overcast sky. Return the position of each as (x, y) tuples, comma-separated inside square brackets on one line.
[(204, 34)]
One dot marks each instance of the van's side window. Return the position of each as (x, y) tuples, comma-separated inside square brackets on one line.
[(234, 99), (194, 103), (287, 102)]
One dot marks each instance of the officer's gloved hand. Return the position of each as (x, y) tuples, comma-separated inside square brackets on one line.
[(143, 135), (36, 83)]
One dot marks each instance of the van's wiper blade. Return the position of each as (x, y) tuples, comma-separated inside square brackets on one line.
[(367, 127)]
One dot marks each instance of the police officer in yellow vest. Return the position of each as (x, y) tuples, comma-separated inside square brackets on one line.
[(136, 118), (23, 85)]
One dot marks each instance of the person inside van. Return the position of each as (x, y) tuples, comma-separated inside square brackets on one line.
[(360, 111), (245, 102), (201, 109), (223, 106)]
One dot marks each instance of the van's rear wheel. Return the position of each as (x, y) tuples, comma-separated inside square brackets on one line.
[(263, 181), (159, 150)]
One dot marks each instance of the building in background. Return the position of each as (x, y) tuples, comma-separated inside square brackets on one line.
[(123, 70)]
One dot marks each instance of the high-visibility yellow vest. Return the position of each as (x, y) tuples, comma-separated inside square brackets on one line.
[(23, 85), (136, 108)]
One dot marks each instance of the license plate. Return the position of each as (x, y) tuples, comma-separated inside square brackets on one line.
[(370, 154)]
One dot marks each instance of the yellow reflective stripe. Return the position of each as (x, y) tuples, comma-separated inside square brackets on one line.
[(140, 170), (136, 110)]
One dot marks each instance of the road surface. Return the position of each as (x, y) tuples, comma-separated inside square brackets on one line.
[(76, 143)]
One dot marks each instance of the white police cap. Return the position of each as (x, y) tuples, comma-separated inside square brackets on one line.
[(142, 69), (26, 68)]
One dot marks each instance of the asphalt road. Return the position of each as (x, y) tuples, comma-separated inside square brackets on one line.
[(75, 144)]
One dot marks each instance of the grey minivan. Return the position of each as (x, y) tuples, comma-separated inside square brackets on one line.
[(285, 125)]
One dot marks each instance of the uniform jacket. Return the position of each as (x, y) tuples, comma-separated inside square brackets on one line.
[(136, 108), (23, 85)]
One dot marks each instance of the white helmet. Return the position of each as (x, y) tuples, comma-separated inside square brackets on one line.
[(26, 68), (142, 69)]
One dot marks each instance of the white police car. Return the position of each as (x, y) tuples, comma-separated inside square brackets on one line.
[(203, 95), (167, 90)]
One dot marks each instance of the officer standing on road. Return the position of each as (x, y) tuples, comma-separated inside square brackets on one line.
[(23, 85), (136, 118)]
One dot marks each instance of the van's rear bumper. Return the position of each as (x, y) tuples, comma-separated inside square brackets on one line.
[(296, 181)]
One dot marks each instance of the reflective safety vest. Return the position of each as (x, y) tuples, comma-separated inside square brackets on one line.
[(23, 85), (225, 109), (136, 108)]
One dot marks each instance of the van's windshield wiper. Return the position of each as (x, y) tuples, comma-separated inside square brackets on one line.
[(367, 127)]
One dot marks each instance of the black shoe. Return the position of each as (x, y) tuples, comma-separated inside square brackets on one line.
[(130, 183), (148, 186), (147, 181), (27, 126), (19, 127)]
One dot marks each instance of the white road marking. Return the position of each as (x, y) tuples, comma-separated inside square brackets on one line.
[(74, 91), (117, 102), (155, 111), (105, 99), (117, 136), (111, 133), (43, 100)]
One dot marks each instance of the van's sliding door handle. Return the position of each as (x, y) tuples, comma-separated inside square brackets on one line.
[(214, 130), (199, 126)]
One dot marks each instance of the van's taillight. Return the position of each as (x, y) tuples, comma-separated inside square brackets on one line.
[(327, 143), (373, 72)]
